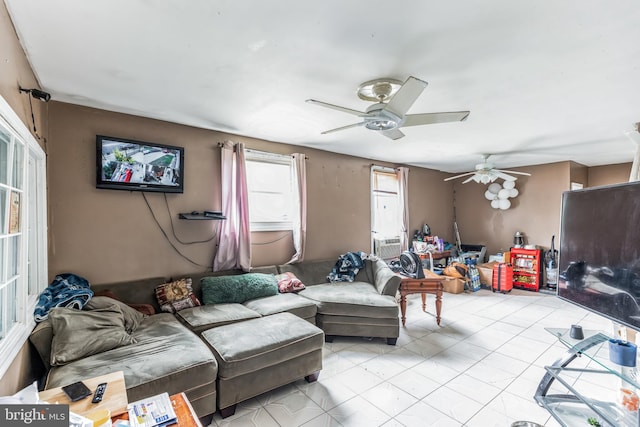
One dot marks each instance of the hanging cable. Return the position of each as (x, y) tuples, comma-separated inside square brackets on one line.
[(144, 196), (173, 231), (273, 241)]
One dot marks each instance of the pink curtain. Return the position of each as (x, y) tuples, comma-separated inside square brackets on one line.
[(234, 245), (403, 204), (299, 171)]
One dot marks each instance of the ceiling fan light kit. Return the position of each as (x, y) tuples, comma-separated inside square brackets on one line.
[(499, 195), (389, 113), (486, 173)]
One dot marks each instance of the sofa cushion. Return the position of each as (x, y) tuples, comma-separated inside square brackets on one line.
[(132, 317), (386, 281), (166, 357), (41, 338), (204, 317), (357, 299), (288, 302), (177, 295), (77, 334), (238, 288), (258, 343)]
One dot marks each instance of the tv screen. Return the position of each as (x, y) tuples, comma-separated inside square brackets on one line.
[(124, 164), (599, 260)]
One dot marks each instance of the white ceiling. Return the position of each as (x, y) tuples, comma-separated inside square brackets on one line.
[(544, 80)]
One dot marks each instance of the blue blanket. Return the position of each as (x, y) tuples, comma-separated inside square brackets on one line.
[(66, 290), (347, 267)]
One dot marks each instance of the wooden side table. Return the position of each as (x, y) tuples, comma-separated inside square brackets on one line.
[(445, 255), (431, 284), (114, 399)]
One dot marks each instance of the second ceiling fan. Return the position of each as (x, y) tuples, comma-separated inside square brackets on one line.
[(392, 101), (486, 173)]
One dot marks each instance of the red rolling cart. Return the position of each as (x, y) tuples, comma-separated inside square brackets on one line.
[(527, 268)]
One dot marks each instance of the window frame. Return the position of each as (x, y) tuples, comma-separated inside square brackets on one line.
[(388, 171), (31, 277), (278, 159)]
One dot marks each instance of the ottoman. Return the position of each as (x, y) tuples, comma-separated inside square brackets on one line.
[(258, 355)]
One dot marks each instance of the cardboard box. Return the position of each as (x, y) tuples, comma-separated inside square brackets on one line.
[(486, 273), (453, 285)]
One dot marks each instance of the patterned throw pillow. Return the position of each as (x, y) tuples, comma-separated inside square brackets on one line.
[(288, 282), (177, 295)]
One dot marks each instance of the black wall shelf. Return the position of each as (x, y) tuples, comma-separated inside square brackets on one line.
[(201, 216)]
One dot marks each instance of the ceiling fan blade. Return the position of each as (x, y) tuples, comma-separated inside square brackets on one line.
[(406, 96), (514, 172), (432, 118), (459, 176), (354, 125), (471, 178), (392, 133), (336, 107)]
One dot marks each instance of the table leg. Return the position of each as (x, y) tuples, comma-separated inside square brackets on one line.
[(403, 307), (424, 301), (438, 306)]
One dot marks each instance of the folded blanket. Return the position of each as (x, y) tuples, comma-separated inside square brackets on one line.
[(66, 290)]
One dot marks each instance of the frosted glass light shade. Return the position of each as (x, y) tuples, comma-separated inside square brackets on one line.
[(494, 188), (509, 184), (504, 194)]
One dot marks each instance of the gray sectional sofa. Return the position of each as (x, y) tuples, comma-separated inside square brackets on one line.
[(186, 351)]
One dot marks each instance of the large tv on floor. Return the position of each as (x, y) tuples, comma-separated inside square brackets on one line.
[(125, 164), (599, 259)]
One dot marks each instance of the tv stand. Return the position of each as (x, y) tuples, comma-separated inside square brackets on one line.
[(576, 407)]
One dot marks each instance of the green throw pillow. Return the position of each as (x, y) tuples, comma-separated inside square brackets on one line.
[(238, 289)]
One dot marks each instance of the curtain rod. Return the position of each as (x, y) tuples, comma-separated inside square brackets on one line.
[(266, 153), (384, 168)]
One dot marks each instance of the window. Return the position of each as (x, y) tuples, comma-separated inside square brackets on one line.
[(270, 186), (23, 244), (385, 203)]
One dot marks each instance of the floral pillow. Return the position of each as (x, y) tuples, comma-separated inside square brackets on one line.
[(288, 282), (177, 295)]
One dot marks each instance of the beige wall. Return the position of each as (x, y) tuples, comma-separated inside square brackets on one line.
[(14, 72), (579, 174), (109, 235), (536, 210), (609, 174)]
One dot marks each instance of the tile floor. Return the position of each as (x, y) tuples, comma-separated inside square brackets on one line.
[(479, 368)]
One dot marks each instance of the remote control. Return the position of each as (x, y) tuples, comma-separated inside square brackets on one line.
[(97, 397)]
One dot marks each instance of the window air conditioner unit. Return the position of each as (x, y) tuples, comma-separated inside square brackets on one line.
[(387, 248)]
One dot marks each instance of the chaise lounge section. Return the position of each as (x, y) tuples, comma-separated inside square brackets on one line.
[(221, 354)]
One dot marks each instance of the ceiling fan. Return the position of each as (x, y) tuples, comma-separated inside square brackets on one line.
[(486, 173), (392, 100)]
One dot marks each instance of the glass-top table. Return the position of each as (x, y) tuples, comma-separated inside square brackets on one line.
[(576, 406)]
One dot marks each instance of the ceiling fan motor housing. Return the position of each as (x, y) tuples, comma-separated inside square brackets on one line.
[(378, 118)]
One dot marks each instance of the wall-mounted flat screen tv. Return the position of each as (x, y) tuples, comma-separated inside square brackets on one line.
[(124, 164), (600, 251)]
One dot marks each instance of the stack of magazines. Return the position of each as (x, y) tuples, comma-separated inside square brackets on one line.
[(155, 411)]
